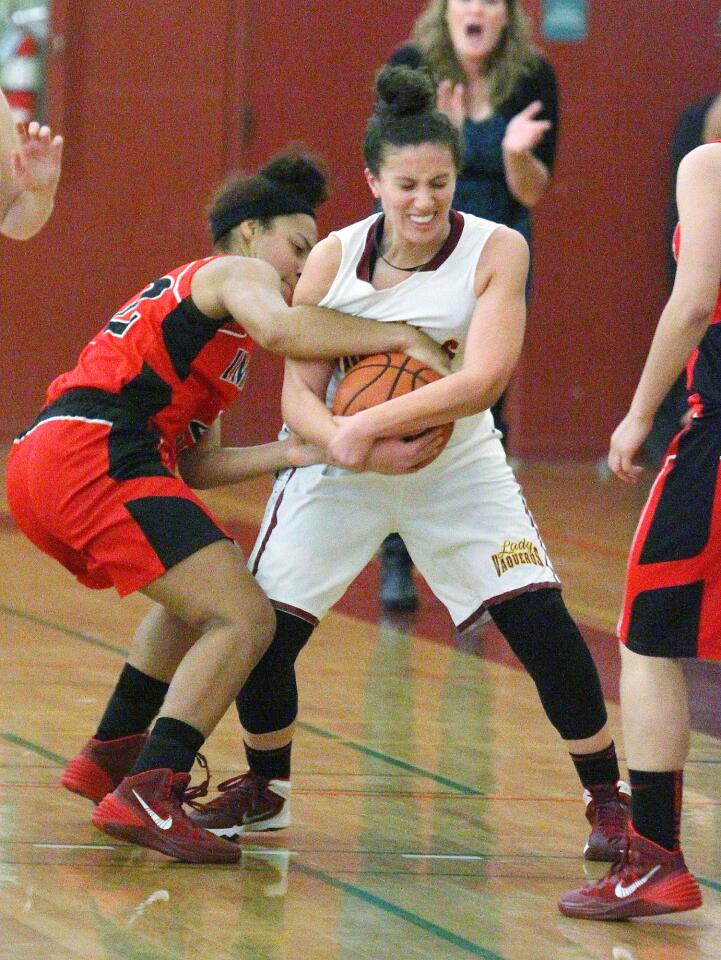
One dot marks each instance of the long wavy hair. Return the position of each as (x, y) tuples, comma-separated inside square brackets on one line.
[(513, 57)]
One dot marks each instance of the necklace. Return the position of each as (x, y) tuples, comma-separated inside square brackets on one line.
[(377, 249), (407, 269)]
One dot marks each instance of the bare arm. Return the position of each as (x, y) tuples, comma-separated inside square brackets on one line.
[(493, 346), (686, 316), (209, 464), (305, 386), (249, 291), (30, 163)]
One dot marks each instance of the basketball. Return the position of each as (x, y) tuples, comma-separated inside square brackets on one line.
[(382, 377)]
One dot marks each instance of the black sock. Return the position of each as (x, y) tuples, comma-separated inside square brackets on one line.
[(135, 703), (597, 769), (656, 806), (271, 764), (172, 744)]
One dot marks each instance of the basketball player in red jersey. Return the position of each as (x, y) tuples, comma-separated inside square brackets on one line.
[(672, 606), (92, 483), (462, 279), (30, 162)]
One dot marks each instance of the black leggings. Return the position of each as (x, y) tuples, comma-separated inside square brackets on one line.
[(537, 626)]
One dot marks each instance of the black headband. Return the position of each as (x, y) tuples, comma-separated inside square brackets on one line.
[(275, 202)]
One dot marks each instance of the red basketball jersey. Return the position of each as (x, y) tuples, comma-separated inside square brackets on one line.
[(172, 367), (703, 369)]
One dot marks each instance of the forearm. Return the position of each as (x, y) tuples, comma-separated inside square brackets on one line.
[(226, 465), (526, 176), (461, 394), (27, 213), (309, 332), (307, 416), (679, 332)]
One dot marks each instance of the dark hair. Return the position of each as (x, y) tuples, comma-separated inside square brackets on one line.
[(405, 115), (293, 181)]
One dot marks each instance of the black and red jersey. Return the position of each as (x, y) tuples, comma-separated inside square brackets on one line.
[(703, 369), (161, 363)]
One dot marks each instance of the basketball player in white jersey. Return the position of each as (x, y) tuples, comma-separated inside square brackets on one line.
[(463, 517)]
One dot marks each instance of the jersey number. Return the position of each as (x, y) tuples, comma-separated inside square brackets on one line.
[(123, 320)]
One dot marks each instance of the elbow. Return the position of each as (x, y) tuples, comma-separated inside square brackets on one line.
[(195, 474), (275, 339), (529, 194), (695, 312)]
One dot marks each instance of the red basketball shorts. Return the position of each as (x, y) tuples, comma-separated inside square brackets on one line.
[(99, 500), (672, 605)]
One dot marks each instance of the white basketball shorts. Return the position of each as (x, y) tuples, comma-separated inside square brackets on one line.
[(463, 519)]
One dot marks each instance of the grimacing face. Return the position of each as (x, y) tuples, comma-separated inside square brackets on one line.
[(415, 185), (476, 27)]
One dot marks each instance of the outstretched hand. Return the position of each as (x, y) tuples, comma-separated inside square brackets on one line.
[(37, 161), (524, 131)]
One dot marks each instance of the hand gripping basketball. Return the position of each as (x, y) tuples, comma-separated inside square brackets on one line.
[(382, 377)]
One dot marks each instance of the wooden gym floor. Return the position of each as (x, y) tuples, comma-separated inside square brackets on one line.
[(436, 814)]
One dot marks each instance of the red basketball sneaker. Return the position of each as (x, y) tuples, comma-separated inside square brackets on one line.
[(647, 881), (608, 810), (147, 809), (101, 765), (246, 804)]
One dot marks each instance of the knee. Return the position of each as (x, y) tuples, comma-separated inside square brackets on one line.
[(249, 623), (257, 625)]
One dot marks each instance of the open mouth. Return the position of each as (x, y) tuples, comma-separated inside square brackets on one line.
[(422, 220), (474, 30)]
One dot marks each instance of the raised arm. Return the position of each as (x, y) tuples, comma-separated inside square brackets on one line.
[(687, 314), (30, 164), (249, 290), (493, 346)]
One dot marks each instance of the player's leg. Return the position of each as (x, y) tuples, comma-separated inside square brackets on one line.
[(653, 877), (670, 610), (267, 708), (397, 590), (321, 527), (234, 622), (547, 641), (160, 642), (471, 535)]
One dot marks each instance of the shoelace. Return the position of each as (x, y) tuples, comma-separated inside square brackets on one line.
[(612, 810), (244, 783), (200, 789), (624, 867)]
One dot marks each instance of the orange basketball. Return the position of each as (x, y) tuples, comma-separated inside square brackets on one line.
[(381, 377)]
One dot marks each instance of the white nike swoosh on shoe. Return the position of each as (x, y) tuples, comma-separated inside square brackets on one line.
[(623, 892), (158, 821)]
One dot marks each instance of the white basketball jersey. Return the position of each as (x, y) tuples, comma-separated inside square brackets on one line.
[(440, 301)]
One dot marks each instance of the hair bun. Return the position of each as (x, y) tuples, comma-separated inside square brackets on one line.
[(300, 172), (404, 91)]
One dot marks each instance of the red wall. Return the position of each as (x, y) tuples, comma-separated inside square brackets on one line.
[(152, 105)]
